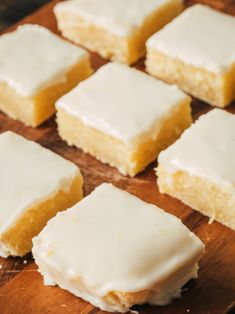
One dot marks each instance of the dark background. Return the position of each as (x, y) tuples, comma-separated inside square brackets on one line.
[(13, 10)]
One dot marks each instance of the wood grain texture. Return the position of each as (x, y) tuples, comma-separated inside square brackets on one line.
[(21, 287)]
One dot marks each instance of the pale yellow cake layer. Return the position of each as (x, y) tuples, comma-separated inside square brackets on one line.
[(32, 111), (128, 160), (18, 238), (215, 89), (111, 46), (200, 194)]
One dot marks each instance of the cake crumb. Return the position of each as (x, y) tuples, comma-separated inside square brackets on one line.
[(188, 310), (211, 219), (25, 261), (0, 266)]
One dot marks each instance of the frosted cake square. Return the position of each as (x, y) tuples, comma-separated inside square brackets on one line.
[(196, 51), (37, 67), (116, 29), (123, 117), (93, 251), (199, 168), (35, 184)]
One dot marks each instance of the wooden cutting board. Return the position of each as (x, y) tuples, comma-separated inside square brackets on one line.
[(21, 286)]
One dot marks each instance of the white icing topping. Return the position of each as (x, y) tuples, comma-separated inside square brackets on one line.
[(111, 240), (29, 175), (120, 17), (33, 58), (206, 149), (121, 101), (201, 37)]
